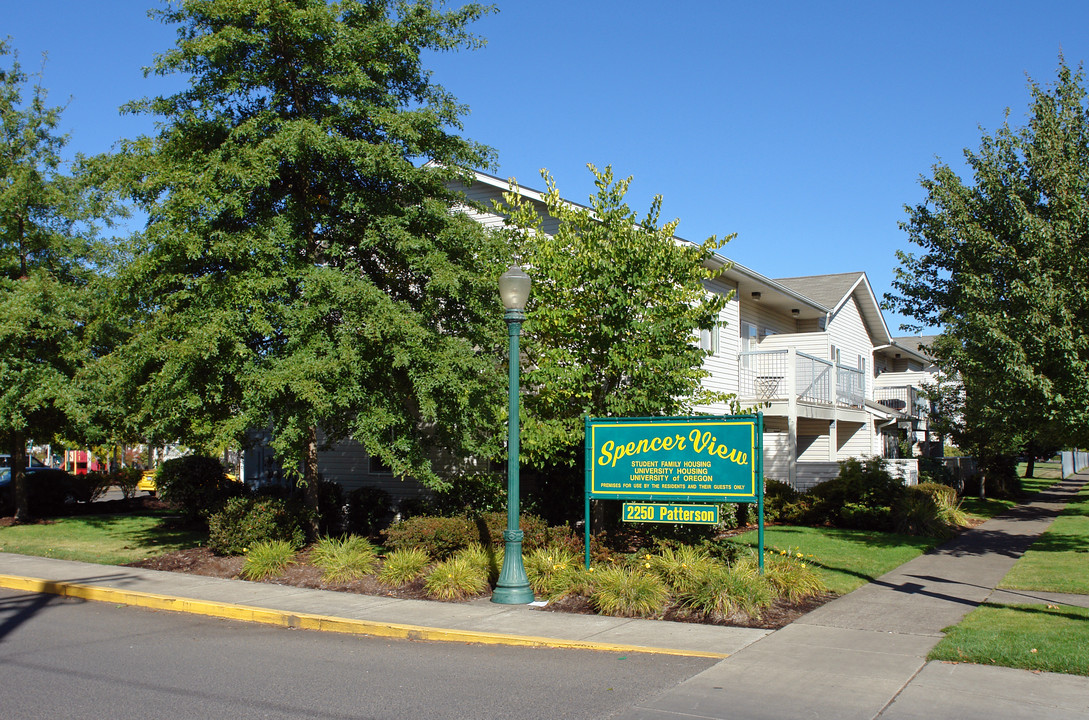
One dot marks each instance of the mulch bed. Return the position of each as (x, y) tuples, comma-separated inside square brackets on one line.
[(202, 561)]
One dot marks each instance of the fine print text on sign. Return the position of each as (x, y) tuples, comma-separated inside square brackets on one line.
[(684, 459)]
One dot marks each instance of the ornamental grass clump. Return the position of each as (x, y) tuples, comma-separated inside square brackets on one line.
[(682, 568), (267, 559), (792, 577), (728, 589), (455, 579), (553, 571), (487, 560), (403, 566), (629, 592), (344, 559)]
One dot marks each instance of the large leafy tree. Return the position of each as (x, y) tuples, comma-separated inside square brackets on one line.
[(1002, 267), (613, 318), (301, 266), (48, 256)]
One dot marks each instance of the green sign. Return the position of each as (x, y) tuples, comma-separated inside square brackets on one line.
[(688, 459), (691, 514)]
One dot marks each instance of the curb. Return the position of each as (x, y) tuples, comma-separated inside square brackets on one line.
[(323, 623)]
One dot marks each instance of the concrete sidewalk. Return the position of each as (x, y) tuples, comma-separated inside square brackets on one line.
[(860, 656), (864, 655)]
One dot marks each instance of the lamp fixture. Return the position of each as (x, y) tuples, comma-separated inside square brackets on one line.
[(514, 287), (756, 297), (795, 312)]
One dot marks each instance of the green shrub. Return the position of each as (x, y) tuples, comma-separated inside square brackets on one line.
[(344, 559), (93, 485), (403, 566), (929, 509), (331, 509), (456, 579), (861, 496), (472, 495), (368, 510), (440, 537), (126, 479), (489, 560), (267, 559), (247, 521), (197, 485), (629, 592)]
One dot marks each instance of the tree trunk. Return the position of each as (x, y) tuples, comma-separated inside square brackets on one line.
[(18, 476), (311, 482)]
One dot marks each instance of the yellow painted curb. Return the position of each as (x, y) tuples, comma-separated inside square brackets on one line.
[(308, 621)]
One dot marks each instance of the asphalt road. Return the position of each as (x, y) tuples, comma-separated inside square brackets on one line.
[(69, 658)]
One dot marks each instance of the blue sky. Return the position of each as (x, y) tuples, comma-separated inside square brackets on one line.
[(802, 126)]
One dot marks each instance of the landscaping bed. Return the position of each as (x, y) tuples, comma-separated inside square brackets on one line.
[(301, 573)]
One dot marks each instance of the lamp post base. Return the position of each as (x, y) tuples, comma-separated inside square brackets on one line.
[(512, 587)]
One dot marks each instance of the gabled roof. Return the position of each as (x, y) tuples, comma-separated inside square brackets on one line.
[(834, 291), (914, 343)]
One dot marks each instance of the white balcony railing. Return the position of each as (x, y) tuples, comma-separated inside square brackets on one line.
[(764, 375), (903, 398)]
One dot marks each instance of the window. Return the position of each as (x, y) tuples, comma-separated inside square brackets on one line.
[(748, 337), (709, 339)]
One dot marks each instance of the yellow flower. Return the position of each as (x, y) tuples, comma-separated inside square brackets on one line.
[(800, 555), (646, 565), (591, 569), (803, 566), (782, 552)]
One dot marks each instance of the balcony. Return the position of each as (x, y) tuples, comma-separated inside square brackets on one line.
[(765, 376), (904, 398)]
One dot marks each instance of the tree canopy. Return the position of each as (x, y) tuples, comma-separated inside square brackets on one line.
[(1002, 266), (301, 266), (48, 258), (613, 318)]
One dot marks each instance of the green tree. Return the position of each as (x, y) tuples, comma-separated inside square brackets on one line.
[(613, 318), (48, 256), (301, 266), (1002, 268)]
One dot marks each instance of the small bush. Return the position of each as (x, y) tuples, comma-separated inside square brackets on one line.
[(196, 484), (861, 496), (125, 479), (456, 579), (440, 537), (929, 509), (267, 559), (93, 485), (247, 521), (344, 559), (368, 510), (472, 495), (403, 566), (629, 592)]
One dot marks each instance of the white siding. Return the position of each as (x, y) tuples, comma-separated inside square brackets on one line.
[(722, 366), (848, 333)]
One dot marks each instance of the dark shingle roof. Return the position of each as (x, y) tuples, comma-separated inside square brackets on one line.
[(828, 290)]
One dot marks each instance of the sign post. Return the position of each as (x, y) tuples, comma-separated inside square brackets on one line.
[(711, 459)]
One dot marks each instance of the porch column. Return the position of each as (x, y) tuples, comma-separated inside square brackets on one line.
[(792, 413), (833, 426)]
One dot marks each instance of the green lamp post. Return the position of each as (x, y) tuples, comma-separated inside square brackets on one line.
[(513, 585)]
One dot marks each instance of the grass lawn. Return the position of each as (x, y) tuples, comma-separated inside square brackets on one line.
[(1059, 560), (846, 559), (105, 539), (1030, 637), (1044, 475)]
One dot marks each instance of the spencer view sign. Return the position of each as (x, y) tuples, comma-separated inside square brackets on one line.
[(710, 459)]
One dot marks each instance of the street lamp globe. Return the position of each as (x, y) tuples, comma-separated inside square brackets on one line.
[(514, 287)]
